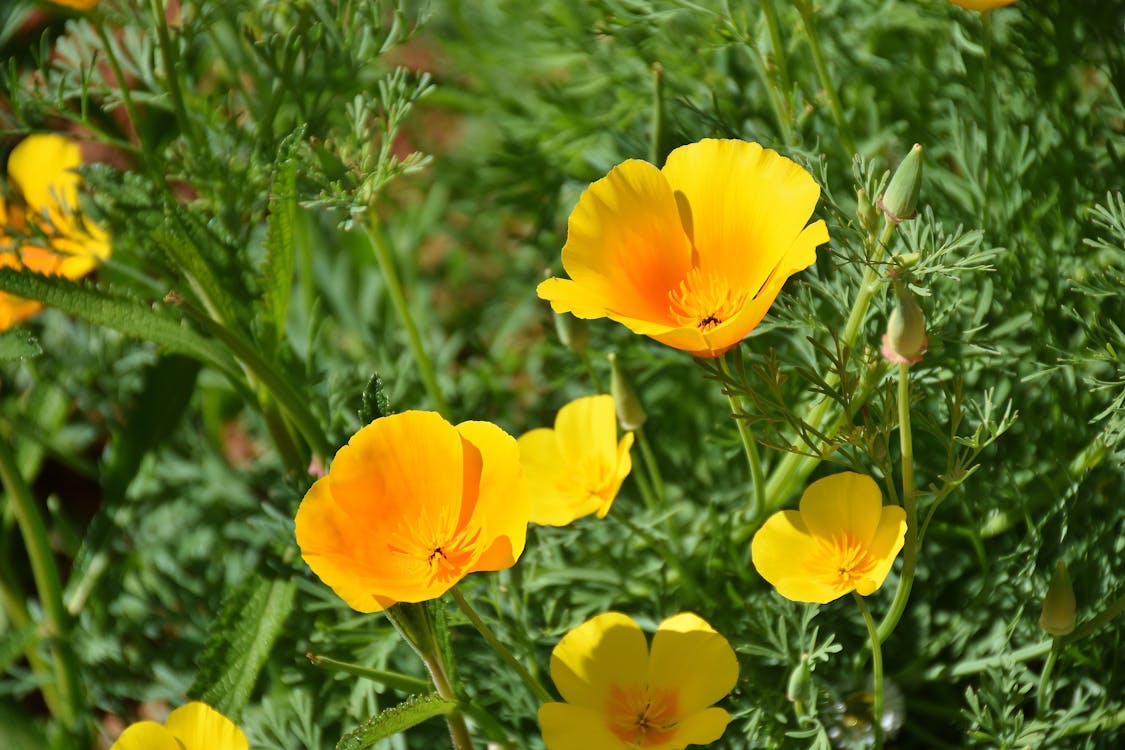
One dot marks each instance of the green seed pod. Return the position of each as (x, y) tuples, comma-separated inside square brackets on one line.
[(1058, 614), (900, 201), (630, 413)]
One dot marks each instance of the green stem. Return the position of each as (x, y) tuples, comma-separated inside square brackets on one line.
[(877, 670), (122, 87), (780, 63), (395, 680), (47, 583), (398, 299), (909, 503), (15, 607), (458, 729), (843, 131), (1102, 618), (503, 651), (655, 478), (1043, 697), (750, 446), (592, 371), (795, 468), (986, 31), (171, 60), (656, 148)]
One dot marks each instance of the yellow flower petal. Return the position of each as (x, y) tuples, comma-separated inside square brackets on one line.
[(551, 485), (842, 503), (42, 169), (700, 728), (624, 466), (567, 727), (689, 657), (147, 735), (502, 498), (885, 545), (981, 4), (595, 656), (721, 188), (783, 551), (625, 247), (200, 727)]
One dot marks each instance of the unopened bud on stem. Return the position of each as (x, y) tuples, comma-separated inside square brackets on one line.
[(905, 340), (1058, 614), (630, 413), (900, 202)]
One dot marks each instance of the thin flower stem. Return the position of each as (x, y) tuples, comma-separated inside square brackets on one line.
[(1096, 622), (68, 685), (758, 498), (1043, 697), (395, 680), (592, 371), (14, 603), (909, 503), (126, 96), (655, 478), (877, 670), (986, 31), (503, 651), (170, 57), (398, 299), (795, 468), (458, 729), (843, 131), (780, 63)]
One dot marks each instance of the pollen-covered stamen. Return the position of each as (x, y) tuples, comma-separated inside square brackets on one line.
[(443, 560), (846, 560), (704, 300), (641, 716)]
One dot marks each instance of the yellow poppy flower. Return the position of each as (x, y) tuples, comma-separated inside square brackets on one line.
[(621, 696), (693, 254), (195, 726), (981, 4), (842, 539), (41, 168), (77, 4), (576, 468), (410, 506)]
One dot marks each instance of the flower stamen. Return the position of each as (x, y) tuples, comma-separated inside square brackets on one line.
[(704, 301)]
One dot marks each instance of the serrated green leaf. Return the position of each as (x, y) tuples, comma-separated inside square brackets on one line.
[(409, 713), (279, 235), (375, 402), (240, 641), (130, 317), (18, 344), (182, 239)]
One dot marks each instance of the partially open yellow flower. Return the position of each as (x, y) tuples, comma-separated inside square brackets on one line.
[(195, 726), (981, 4), (410, 506), (619, 696), (694, 254), (41, 168), (576, 468), (842, 539)]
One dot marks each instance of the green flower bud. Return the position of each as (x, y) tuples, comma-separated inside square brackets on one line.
[(867, 213), (800, 682), (1057, 617), (630, 413), (572, 332), (905, 340), (900, 201)]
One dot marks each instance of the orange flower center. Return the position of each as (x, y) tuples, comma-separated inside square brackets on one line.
[(704, 300), (642, 717), (845, 560), (444, 561)]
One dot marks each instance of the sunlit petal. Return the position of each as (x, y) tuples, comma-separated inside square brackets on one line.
[(842, 503), (147, 735), (688, 656), (596, 655), (200, 727), (567, 727)]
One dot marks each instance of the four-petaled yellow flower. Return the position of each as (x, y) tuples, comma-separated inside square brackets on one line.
[(981, 4), (842, 539), (576, 468), (195, 726), (41, 168), (693, 254), (410, 506), (619, 696)]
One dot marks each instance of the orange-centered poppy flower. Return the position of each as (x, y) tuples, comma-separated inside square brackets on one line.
[(576, 468), (40, 230), (981, 4), (621, 696), (842, 539), (195, 726), (410, 506), (694, 254)]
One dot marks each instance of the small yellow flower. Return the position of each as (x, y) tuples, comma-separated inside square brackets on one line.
[(41, 168), (410, 506), (981, 4), (195, 726), (77, 4), (576, 468), (842, 539), (621, 696), (693, 254)]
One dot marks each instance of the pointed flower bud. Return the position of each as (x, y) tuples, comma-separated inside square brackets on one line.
[(572, 332), (900, 201), (1057, 617), (630, 413), (905, 340), (867, 213)]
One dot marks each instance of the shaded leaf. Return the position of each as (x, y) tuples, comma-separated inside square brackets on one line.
[(409, 713)]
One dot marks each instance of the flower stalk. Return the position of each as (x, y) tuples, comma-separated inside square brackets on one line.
[(805, 8), (750, 447), (876, 669)]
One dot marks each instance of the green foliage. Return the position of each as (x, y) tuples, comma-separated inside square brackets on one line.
[(409, 713)]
